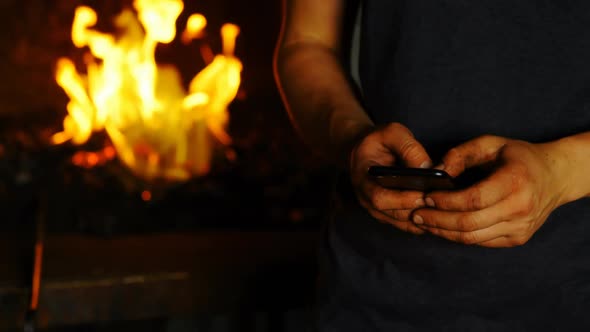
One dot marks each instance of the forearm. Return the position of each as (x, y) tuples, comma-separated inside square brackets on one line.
[(319, 99), (572, 162)]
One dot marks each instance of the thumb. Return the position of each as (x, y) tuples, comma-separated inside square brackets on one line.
[(402, 143), (473, 153)]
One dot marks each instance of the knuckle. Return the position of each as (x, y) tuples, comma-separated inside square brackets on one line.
[(402, 215), (367, 141), (409, 149), (468, 238), (396, 126), (410, 201), (454, 154), (487, 138), (377, 202), (526, 206), (518, 241), (475, 199), (527, 228), (375, 198), (454, 159), (520, 175), (522, 170), (467, 222)]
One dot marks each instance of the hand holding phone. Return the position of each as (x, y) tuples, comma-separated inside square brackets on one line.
[(416, 179)]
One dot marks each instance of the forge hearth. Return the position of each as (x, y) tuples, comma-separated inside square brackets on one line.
[(272, 183), (267, 186), (115, 245), (225, 243)]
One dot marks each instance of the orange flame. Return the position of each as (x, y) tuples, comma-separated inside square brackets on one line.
[(156, 127)]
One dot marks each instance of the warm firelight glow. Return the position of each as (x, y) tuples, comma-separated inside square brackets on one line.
[(90, 159), (146, 195), (195, 25), (158, 129)]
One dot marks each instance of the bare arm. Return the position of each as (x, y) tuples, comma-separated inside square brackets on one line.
[(312, 82), (324, 108), (529, 181), (574, 165)]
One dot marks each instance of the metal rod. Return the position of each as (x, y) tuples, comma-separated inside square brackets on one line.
[(30, 317)]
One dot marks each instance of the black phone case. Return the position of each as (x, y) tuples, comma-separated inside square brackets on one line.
[(416, 179)]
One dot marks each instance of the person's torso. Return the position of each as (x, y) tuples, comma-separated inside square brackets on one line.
[(452, 70)]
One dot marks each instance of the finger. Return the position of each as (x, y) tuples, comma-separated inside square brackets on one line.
[(401, 142), (472, 153), (401, 215), (501, 242), (469, 221), (504, 242), (405, 226), (386, 199), (408, 227), (482, 195), (470, 238)]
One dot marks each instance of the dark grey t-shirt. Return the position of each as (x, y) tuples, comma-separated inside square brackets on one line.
[(452, 70)]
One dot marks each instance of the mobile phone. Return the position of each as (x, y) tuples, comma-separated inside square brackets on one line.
[(418, 179)]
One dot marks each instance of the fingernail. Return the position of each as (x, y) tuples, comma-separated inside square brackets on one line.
[(426, 164), (418, 220), (420, 202), (430, 202), (440, 167)]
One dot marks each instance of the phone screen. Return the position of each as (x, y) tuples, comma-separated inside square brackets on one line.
[(417, 179)]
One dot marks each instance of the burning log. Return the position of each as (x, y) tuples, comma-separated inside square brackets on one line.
[(157, 129)]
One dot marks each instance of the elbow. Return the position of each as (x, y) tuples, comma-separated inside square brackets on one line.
[(289, 58), (279, 65), (283, 70)]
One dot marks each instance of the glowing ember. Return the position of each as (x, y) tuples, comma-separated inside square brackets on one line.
[(146, 195), (156, 127)]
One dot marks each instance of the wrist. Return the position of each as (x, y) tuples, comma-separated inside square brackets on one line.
[(353, 134), (569, 162)]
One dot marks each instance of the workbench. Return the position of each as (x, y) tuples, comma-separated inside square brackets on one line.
[(88, 279)]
